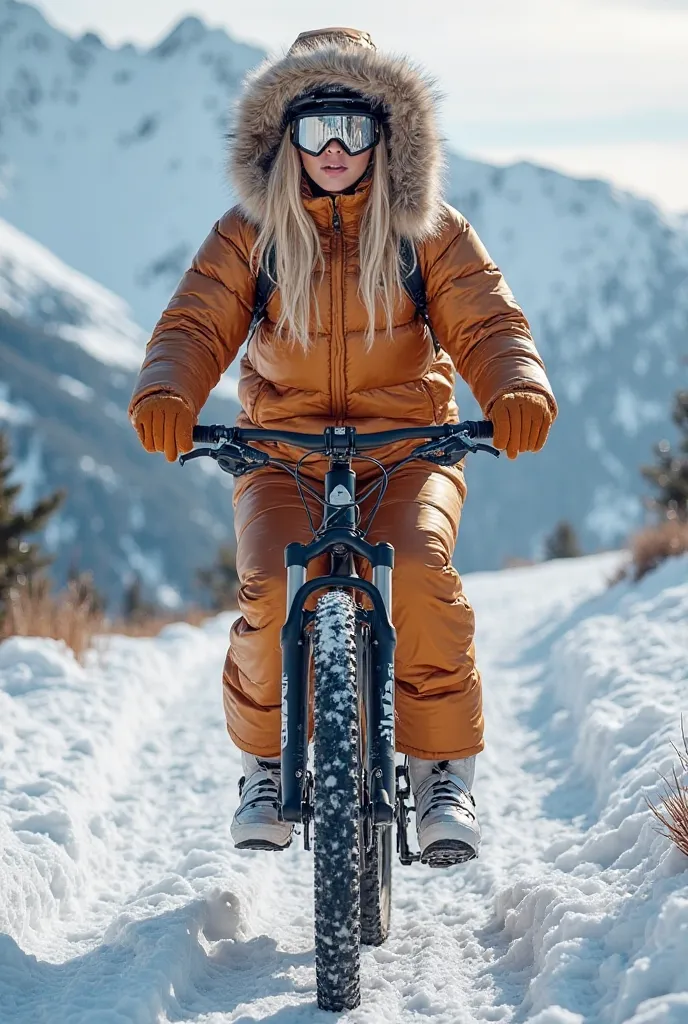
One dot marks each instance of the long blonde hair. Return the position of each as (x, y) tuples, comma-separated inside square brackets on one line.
[(299, 256)]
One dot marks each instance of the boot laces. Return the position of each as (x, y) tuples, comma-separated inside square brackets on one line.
[(265, 790), (446, 792)]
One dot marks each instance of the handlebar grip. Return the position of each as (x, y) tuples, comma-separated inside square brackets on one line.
[(206, 435), (482, 429)]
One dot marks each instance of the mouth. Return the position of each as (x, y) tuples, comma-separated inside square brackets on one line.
[(333, 168)]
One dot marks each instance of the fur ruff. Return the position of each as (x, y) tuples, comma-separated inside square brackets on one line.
[(409, 98)]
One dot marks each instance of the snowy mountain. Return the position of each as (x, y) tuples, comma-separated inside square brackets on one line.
[(124, 899), (68, 351), (113, 159), (603, 278), (43, 292)]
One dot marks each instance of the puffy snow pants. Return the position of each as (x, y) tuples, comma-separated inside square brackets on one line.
[(438, 687)]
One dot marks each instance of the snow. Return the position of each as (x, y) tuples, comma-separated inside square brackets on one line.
[(60, 530), (613, 513), (15, 413), (106, 474), (131, 140), (28, 472), (125, 901), (75, 387), (592, 916), (580, 255), (37, 287), (632, 412)]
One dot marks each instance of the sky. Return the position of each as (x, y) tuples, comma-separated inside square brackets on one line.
[(597, 88)]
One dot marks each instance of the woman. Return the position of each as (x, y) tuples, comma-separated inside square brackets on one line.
[(335, 158)]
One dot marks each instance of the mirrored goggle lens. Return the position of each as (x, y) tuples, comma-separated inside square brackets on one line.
[(356, 132)]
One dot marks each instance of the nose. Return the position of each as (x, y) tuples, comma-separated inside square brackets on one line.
[(334, 146)]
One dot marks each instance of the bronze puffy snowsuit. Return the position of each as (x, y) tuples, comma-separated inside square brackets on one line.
[(398, 382)]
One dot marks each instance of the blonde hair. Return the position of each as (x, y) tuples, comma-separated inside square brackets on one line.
[(299, 257)]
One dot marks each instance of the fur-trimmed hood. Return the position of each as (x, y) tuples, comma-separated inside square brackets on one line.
[(347, 58)]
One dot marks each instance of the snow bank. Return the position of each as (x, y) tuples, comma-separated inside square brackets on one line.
[(71, 738), (605, 921), (123, 899)]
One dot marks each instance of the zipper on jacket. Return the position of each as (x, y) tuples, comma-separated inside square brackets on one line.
[(336, 221), (337, 298)]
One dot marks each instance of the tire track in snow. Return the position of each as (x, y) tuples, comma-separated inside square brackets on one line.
[(193, 930)]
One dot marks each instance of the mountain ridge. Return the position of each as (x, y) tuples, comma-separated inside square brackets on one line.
[(69, 352), (114, 159)]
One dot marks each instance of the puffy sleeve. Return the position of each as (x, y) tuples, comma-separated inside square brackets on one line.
[(476, 317), (206, 320)]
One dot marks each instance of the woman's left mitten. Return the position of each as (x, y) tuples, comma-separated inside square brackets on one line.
[(165, 424), (521, 421)]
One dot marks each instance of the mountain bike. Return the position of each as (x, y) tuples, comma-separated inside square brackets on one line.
[(355, 793)]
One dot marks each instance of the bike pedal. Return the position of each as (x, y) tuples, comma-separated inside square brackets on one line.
[(445, 853)]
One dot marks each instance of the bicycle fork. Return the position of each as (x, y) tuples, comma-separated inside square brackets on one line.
[(341, 541)]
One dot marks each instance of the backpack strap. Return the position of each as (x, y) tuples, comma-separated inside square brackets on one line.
[(266, 282), (414, 286), (411, 280)]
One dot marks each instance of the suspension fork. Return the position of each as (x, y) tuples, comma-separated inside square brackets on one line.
[(294, 712), (340, 519), (378, 681), (380, 702), (339, 510)]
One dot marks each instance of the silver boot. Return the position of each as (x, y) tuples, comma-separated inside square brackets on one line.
[(446, 819), (256, 824)]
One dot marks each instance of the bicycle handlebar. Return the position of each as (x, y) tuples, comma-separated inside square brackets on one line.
[(477, 429)]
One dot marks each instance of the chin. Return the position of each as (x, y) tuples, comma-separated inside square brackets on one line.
[(338, 185)]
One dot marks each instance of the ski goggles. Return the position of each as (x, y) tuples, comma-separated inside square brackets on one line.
[(356, 132)]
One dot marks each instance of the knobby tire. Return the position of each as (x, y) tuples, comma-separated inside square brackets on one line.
[(376, 889), (337, 803)]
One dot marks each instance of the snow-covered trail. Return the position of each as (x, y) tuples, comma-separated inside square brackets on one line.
[(122, 899)]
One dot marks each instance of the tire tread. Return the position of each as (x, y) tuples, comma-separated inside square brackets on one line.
[(337, 803)]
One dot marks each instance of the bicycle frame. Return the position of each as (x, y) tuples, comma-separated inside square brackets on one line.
[(342, 542), (386, 788)]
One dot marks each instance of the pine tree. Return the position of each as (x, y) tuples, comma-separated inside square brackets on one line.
[(135, 608), (221, 579), (20, 559), (562, 542), (669, 476)]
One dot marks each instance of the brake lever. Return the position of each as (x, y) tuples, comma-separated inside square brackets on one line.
[(233, 458), (454, 449), (488, 448), (197, 453)]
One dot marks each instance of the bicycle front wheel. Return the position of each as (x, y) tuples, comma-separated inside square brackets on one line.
[(336, 803), (376, 889)]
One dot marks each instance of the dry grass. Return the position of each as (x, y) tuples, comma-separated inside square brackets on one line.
[(652, 546), (68, 615), (672, 814), (516, 562), (150, 625)]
